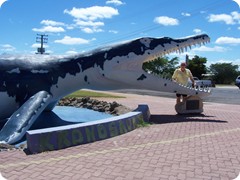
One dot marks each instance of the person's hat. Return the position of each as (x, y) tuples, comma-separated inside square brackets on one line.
[(183, 64)]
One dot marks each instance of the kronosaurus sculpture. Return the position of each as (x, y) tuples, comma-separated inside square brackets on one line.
[(27, 87)]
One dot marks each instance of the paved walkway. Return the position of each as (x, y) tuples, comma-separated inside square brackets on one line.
[(174, 147)]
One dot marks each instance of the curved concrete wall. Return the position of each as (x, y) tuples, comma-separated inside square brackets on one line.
[(71, 135)]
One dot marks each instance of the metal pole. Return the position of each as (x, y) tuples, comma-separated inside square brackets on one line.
[(42, 39)]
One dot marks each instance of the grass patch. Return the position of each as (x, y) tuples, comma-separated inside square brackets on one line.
[(142, 123), (84, 93)]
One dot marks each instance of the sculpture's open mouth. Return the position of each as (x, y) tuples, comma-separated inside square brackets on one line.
[(145, 50), (177, 46)]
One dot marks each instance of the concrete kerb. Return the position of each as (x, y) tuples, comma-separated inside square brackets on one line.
[(56, 138)]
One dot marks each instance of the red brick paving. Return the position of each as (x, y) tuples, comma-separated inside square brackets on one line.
[(174, 147)]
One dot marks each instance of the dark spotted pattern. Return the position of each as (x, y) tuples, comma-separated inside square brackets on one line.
[(18, 79)]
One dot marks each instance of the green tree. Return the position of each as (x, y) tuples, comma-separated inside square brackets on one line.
[(197, 66), (161, 66), (224, 73)]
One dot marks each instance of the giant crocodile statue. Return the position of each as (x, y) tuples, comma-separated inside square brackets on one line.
[(28, 87)]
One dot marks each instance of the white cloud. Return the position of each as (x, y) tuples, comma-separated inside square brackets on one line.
[(52, 23), (221, 17), (91, 30), (67, 40), (89, 26), (233, 18), (236, 16), (113, 31), (233, 61), (7, 47), (88, 19), (166, 21), (186, 14), (115, 2), (71, 52), (87, 30), (228, 40), (210, 49), (197, 31), (89, 23), (50, 29), (92, 13)]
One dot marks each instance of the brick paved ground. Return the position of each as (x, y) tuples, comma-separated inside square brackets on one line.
[(174, 147)]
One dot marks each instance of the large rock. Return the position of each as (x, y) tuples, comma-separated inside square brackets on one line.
[(102, 106)]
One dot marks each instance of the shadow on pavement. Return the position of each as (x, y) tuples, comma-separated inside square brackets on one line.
[(162, 119)]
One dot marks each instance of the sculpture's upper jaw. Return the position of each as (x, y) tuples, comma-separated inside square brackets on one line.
[(166, 45), (133, 54)]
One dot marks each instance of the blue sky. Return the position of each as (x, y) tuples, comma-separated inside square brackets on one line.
[(75, 26)]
